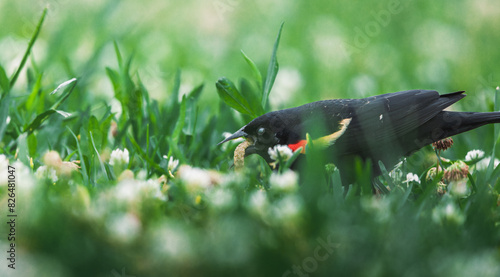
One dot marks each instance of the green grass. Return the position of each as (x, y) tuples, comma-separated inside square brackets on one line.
[(168, 81)]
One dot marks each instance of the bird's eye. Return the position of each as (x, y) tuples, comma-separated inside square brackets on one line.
[(261, 131)]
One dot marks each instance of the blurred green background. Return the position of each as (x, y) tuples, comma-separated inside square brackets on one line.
[(328, 49)]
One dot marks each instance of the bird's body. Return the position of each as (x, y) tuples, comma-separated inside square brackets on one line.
[(380, 128)]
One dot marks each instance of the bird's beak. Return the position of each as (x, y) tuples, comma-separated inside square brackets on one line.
[(238, 134)]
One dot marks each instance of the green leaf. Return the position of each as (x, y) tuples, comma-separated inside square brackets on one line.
[(13, 79), (255, 71), (252, 97), (4, 81), (232, 97), (272, 70)]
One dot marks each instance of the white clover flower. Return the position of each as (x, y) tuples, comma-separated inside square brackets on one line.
[(142, 174), (124, 227), (195, 179), (44, 172), (172, 163), (7, 120), (152, 188), (130, 190), (286, 182), (288, 208), (171, 240), (119, 157), (258, 203), (410, 177), (484, 163), (126, 190), (474, 155), (222, 198), (284, 151)]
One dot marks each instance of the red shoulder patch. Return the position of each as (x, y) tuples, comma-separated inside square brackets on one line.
[(295, 146)]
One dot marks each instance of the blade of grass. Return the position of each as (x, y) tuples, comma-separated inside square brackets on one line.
[(4, 113), (118, 54), (403, 199), (338, 190), (180, 121), (272, 70), (4, 81), (43, 116), (146, 157), (103, 168), (82, 163), (496, 130), (385, 175), (31, 102), (14, 77), (255, 71), (292, 159)]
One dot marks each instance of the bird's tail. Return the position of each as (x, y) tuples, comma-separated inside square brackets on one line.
[(464, 121)]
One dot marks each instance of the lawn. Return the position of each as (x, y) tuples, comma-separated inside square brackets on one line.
[(111, 111)]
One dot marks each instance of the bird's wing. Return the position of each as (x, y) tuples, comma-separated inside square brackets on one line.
[(382, 119)]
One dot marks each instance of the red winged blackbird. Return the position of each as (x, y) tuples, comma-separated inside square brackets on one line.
[(382, 128)]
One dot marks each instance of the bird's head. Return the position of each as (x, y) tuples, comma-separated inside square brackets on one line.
[(289, 127), (266, 131)]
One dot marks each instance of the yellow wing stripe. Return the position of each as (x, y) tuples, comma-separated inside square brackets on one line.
[(328, 140)]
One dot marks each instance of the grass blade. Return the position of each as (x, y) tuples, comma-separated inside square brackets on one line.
[(385, 175), (255, 71), (14, 77), (4, 81), (4, 113), (66, 95), (272, 70), (43, 116), (180, 122), (82, 163), (103, 168)]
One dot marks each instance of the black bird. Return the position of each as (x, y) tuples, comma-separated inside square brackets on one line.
[(382, 128)]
